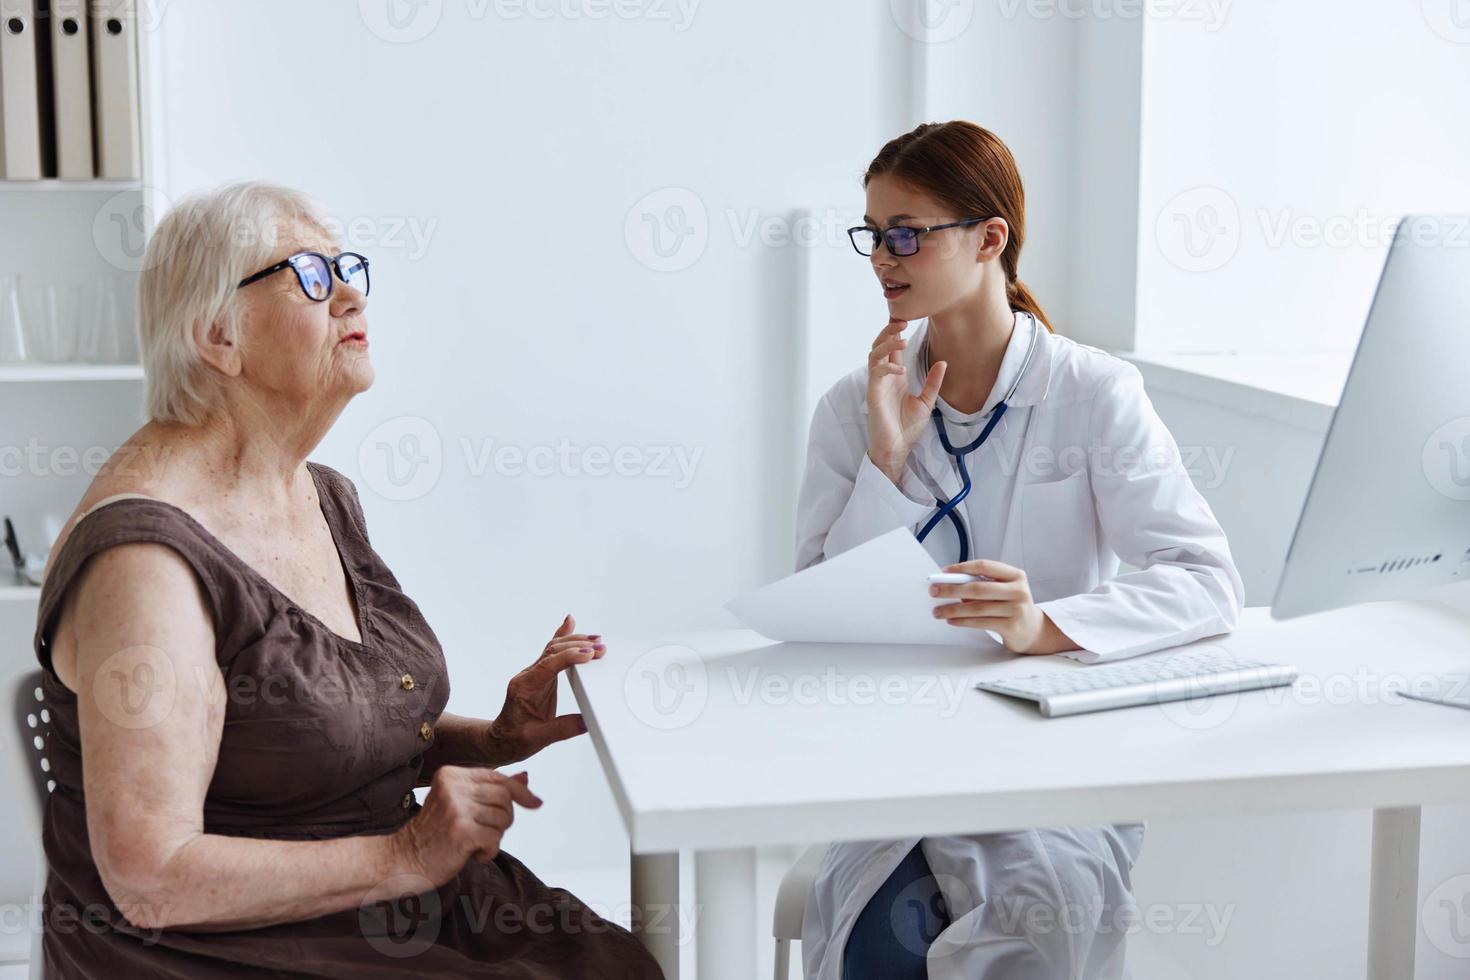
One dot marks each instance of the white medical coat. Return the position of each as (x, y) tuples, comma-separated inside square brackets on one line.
[(1078, 475)]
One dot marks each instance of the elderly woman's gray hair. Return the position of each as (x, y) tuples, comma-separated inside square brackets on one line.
[(196, 257)]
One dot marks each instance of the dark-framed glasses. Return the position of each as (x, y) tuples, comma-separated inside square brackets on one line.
[(900, 239), (315, 271)]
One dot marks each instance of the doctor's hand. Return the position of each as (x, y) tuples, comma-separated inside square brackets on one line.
[(896, 417), (528, 722), (1003, 605)]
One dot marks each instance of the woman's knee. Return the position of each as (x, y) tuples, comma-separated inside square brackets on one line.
[(892, 934)]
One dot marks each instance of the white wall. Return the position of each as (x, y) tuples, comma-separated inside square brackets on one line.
[(1060, 83), (1276, 151), (500, 169), (1106, 107), (522, 145), (525, 151), (1012, 73)]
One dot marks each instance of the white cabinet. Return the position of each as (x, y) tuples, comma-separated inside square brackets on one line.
[(59, 420)]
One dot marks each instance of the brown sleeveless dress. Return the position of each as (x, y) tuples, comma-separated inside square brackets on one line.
[(336, 751)]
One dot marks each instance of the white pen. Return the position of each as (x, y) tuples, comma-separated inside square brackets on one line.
[(957, 578)]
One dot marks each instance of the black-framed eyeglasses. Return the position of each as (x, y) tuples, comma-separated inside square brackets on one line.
[(314, 273), (901, 240)]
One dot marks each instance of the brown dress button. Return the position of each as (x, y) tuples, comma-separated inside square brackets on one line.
[(408, 682), (408, 799), (426, 732)]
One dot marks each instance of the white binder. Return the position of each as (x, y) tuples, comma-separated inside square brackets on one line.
[(115, 72), (71, 72), (20, 121)]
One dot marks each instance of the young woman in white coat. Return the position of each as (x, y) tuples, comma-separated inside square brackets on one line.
[(1071, 471)]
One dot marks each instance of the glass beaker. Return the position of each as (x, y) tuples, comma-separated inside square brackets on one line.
[(13, 346)]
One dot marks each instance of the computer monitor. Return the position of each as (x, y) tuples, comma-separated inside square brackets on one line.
[(1388, 512)]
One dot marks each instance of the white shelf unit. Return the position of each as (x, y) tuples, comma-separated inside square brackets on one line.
[(70, 372), (58, 422), (53, 184)]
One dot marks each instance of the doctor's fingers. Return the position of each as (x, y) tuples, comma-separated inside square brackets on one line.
[(973, 609), (990, 568), (991, 624), (997, 591), (886, 350), (932, 383), (884, 369), (893, 327)]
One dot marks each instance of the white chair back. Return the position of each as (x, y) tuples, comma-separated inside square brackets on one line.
[(791, 896), (26, 740), (32, 727)]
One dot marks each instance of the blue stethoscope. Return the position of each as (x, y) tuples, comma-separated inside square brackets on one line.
[(950, 508)]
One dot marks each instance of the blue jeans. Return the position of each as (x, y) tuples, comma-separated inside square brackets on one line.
[(897, 926)]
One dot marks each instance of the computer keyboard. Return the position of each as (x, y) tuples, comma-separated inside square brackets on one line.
[(1193, 674)]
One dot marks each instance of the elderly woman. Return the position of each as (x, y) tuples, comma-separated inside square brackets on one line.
[(242, 698)]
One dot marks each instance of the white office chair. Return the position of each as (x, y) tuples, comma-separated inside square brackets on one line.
[(796, 884), (31, 729)]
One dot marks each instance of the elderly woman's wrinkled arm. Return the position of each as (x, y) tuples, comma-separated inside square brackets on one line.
[(151, 707)]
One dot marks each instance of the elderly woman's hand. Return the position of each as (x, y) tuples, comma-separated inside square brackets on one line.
[(528, 722), (466, 815)]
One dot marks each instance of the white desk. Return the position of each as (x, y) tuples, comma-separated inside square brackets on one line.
[(720, 742)]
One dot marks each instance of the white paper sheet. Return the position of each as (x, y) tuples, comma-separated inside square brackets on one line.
[(875, 593)]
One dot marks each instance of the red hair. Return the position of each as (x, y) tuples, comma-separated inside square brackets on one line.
[(969, 169)]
